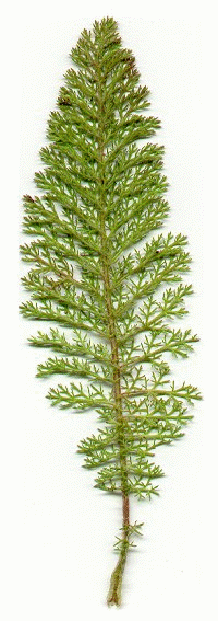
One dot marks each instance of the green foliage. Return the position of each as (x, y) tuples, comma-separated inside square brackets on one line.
[(101, 192)]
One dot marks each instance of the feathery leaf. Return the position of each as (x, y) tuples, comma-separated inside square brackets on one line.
[(101, 192)]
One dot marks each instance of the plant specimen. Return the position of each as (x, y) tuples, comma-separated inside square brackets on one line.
[(109, 286)]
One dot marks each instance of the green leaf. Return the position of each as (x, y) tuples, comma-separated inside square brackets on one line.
[(101, 191)]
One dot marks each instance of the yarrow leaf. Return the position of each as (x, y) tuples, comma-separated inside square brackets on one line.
[(105, 278)]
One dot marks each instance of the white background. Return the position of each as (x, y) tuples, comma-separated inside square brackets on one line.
[(58, 549)]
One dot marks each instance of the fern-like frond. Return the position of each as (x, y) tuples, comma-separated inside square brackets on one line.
[(104, 277)]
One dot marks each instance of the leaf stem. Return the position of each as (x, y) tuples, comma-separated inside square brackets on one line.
[(114, 596)]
